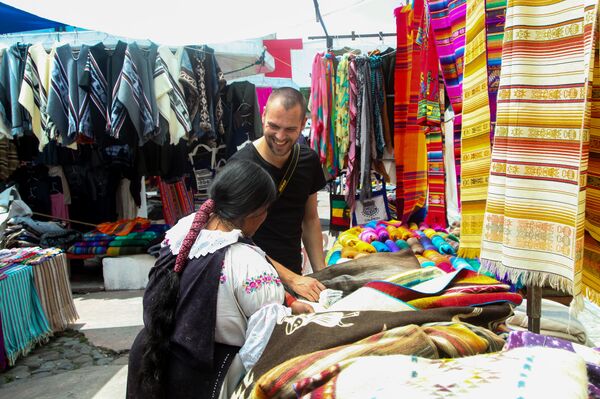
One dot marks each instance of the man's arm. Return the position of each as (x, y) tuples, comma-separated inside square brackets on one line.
[(306, 287), (312, 236)]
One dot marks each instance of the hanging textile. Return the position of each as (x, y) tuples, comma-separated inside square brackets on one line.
[(352, 171), (402, 94), (475, 143), (34, 91), (262, 95), (169, 94), (495, 14), (448, 23), (177, 201), (342, 109), (15, 117), (590, 278), (533, 230), (414, 148), (430, 112)]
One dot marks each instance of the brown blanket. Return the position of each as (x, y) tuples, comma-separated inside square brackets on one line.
[(350, 276)]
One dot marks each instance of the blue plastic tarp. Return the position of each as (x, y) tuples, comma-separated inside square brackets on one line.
[(15, 20)]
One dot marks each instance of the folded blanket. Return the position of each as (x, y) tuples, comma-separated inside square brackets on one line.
[(303, 334), (62, 240), (129, 243), (120, 251), (521, 339), (124, 227), (96, 236), (556, 321), (350, 276), (518, 373), (145, 235), (460, 299), (87, 250), (87, 244)]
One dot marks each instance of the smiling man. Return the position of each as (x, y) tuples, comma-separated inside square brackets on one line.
[(293, 217)]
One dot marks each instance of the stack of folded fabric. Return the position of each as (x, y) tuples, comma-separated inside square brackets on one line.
[(130, 244), (23, 232), (92, 243)]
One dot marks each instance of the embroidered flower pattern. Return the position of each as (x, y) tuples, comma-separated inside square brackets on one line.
[(223, 277), (252, 284)]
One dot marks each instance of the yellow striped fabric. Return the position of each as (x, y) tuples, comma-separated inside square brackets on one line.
[(475, 140), (590, 278), (533, 229)]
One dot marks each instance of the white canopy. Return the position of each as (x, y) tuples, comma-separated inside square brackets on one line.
[(179, 22)]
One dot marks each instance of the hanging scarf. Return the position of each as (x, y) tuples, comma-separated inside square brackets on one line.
[(351, 174), (475, 145), (377, 102), (316, 112), (342, 109), (448, 23), (401, 95), (328, 118), (415, 147), (533, 230)]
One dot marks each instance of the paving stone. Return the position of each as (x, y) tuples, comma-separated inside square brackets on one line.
[(82, 359), (70, 354), (96, 354), (86, 364), (83, 349), (18, 372), (41, 375), (47, 366), (71, 342), (54, 355), (104, 362), (33, 361)]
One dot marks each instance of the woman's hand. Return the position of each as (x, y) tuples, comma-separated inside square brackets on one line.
[(307, 287), (301, 308)]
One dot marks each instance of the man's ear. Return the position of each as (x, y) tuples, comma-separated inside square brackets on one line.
[(303, 123)]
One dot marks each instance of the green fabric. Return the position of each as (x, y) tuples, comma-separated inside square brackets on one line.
[(128, 243)]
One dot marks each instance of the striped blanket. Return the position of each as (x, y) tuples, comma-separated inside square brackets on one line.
[(24, 323), (533, 229)]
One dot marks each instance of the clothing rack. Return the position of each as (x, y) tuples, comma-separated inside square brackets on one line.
[(354, 36)]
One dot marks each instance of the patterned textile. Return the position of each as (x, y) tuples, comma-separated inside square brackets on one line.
[(590, 278), (24, 324), (9, 161), (342, 108), (3, 360), (87, 250), (128, 243), (414, 148), (519, 373), (436, 201), (466, 299), (34, 91), (122, 251), (122, 227), (402, 74), (52, 283), (448, 23), (169, 93), (133, 94), (539, 160), (177, 201), (556, 321), (495, 11), (68, 104), (475, 145), (304, 334), (521, 339), (434, 341)]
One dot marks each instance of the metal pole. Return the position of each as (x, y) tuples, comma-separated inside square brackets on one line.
[(534, 308)]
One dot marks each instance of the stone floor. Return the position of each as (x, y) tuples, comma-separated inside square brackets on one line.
[(65, 351)]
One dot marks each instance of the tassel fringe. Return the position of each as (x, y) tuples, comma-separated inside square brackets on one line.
[(469, 253)]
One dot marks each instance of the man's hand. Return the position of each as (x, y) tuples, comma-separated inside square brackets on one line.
[(301, 307), (307, 287)]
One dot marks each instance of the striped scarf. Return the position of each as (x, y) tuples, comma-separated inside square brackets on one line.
[(448, 23), (495, 11), (475, 145), (533, 230)]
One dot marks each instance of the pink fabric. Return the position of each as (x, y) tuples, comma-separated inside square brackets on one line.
[(59, 209), (263, 93), (317, 124), (351, 174)]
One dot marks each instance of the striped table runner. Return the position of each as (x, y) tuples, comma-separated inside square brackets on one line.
[(54, 289), (475, 141), (533, 229)]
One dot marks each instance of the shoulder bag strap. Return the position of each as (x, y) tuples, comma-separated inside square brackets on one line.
[(290, 170)]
